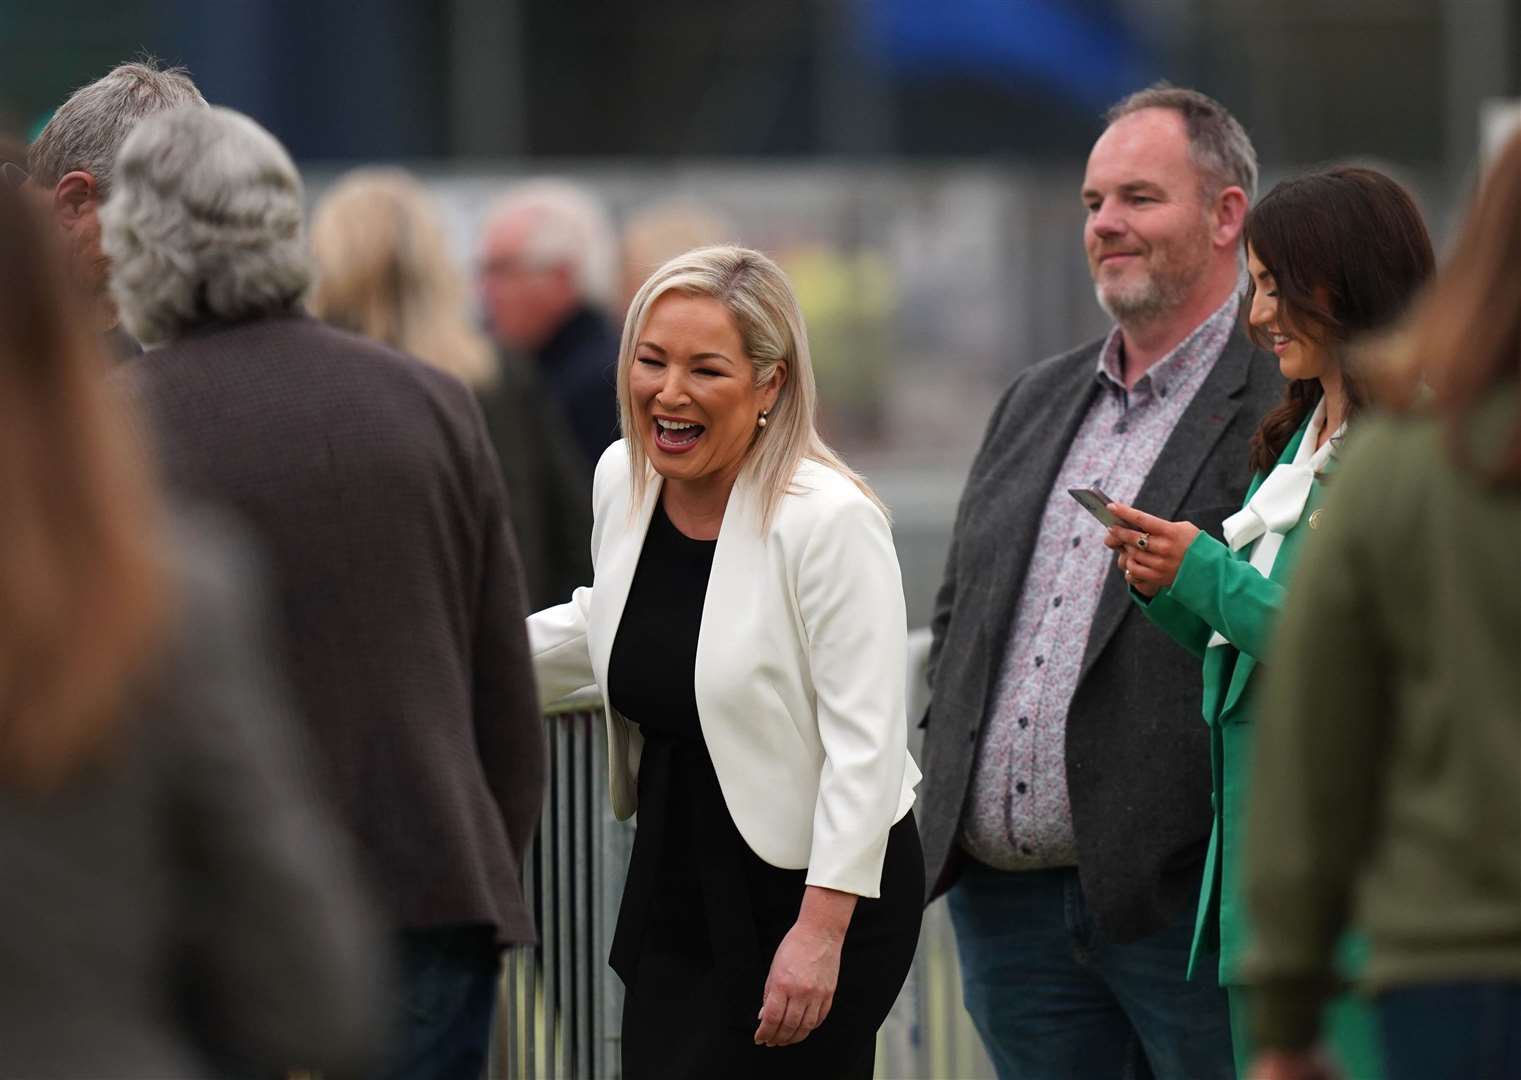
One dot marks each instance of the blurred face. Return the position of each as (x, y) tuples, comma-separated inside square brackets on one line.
[(1149, 234), (693, 390), (1299, 355), (525, 303)]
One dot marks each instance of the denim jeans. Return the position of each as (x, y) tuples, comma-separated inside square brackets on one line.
[(1053, 1001), (447, 979), (1456, 1030)]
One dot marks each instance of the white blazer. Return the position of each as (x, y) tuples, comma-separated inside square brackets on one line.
[(800, 678)]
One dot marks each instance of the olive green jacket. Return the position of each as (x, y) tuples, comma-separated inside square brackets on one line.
[(1218, 589), (1403, 816)]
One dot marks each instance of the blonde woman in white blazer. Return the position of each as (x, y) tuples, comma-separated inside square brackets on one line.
[(746, 628)]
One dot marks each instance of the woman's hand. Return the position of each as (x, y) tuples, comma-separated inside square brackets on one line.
[(1151, 550), (806, 968)]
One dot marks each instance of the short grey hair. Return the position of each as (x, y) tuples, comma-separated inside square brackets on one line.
[(205, 225), (571, 228), (89, 128), (1218, 144)]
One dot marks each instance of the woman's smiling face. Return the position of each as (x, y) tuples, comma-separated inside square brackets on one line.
[(693, 390), (1299, 355)]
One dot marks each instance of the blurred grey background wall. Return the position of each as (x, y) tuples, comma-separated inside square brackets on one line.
[(915, 165)]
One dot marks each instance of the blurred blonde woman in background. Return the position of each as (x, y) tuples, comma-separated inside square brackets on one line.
[(175, 902), (384, 271)]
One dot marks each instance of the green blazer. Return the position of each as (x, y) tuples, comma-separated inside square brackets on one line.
[(1219, 589)]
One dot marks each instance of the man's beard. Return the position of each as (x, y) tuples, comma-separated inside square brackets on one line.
[(1166, 285)]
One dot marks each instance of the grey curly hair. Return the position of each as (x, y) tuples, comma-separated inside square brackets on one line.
[(205, 224)]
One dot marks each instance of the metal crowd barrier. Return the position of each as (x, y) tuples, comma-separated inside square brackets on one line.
[(560, 1007)]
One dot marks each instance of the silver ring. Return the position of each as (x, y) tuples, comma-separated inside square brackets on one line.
[(1127, 575), (1144, 540)]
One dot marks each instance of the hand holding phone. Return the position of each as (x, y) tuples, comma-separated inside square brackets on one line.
[(1097, 503)]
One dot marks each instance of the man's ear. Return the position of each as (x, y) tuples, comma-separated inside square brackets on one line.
[(75, 197), (1231, 206)]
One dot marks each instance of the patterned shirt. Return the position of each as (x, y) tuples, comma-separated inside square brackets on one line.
[(1019, 817)]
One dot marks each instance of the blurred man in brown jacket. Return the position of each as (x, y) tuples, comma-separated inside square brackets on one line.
[(369, 480)]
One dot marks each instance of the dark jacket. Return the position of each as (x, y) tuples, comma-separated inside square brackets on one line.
[(367, 478), (579, 364), (549, 489), (1137, 753), (187, 903)]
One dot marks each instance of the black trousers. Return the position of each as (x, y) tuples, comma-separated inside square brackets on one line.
[(701, 919)]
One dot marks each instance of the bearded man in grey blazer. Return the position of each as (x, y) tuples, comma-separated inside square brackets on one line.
[(367, 478), (1066, 804)]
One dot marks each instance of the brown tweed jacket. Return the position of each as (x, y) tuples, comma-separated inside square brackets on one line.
[(368, 480)]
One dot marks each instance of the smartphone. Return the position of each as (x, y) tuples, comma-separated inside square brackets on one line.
[(1097, 503)]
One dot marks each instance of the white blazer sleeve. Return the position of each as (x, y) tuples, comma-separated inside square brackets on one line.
[(557, 641), (850, 596)]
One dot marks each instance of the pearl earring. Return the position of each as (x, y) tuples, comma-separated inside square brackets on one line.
[(762, 421)]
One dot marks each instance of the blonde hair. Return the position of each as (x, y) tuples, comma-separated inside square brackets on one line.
[(383, 270), (760, 300), (660, 231)]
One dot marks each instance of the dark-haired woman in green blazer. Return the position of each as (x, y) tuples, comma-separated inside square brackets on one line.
[(1331, 255)]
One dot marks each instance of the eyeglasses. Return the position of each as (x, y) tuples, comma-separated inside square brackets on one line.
[(12, 175), (505, 266)]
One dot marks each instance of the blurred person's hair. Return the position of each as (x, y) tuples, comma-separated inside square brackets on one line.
[(1348, 251), (765, 310), (1463, 339), (1219, 146), (205, 225), (660, 231), (384, 271), (82, 588), (88, 129), (570, 228)]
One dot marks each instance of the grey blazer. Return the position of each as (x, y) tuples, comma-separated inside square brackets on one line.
[(1137, 750), (188, 904)]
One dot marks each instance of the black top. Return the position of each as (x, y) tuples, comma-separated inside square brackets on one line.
[(651, 673)]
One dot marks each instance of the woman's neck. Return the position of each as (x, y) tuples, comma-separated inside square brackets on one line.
[(1334, 391), (696, 507)]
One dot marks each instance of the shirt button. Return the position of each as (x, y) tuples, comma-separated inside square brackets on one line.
[(1056, 602), (1039, 660), (972, 735), (1020, 787), (1122, 427), (1076, 540), (1024, 721), (1026, 849)]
